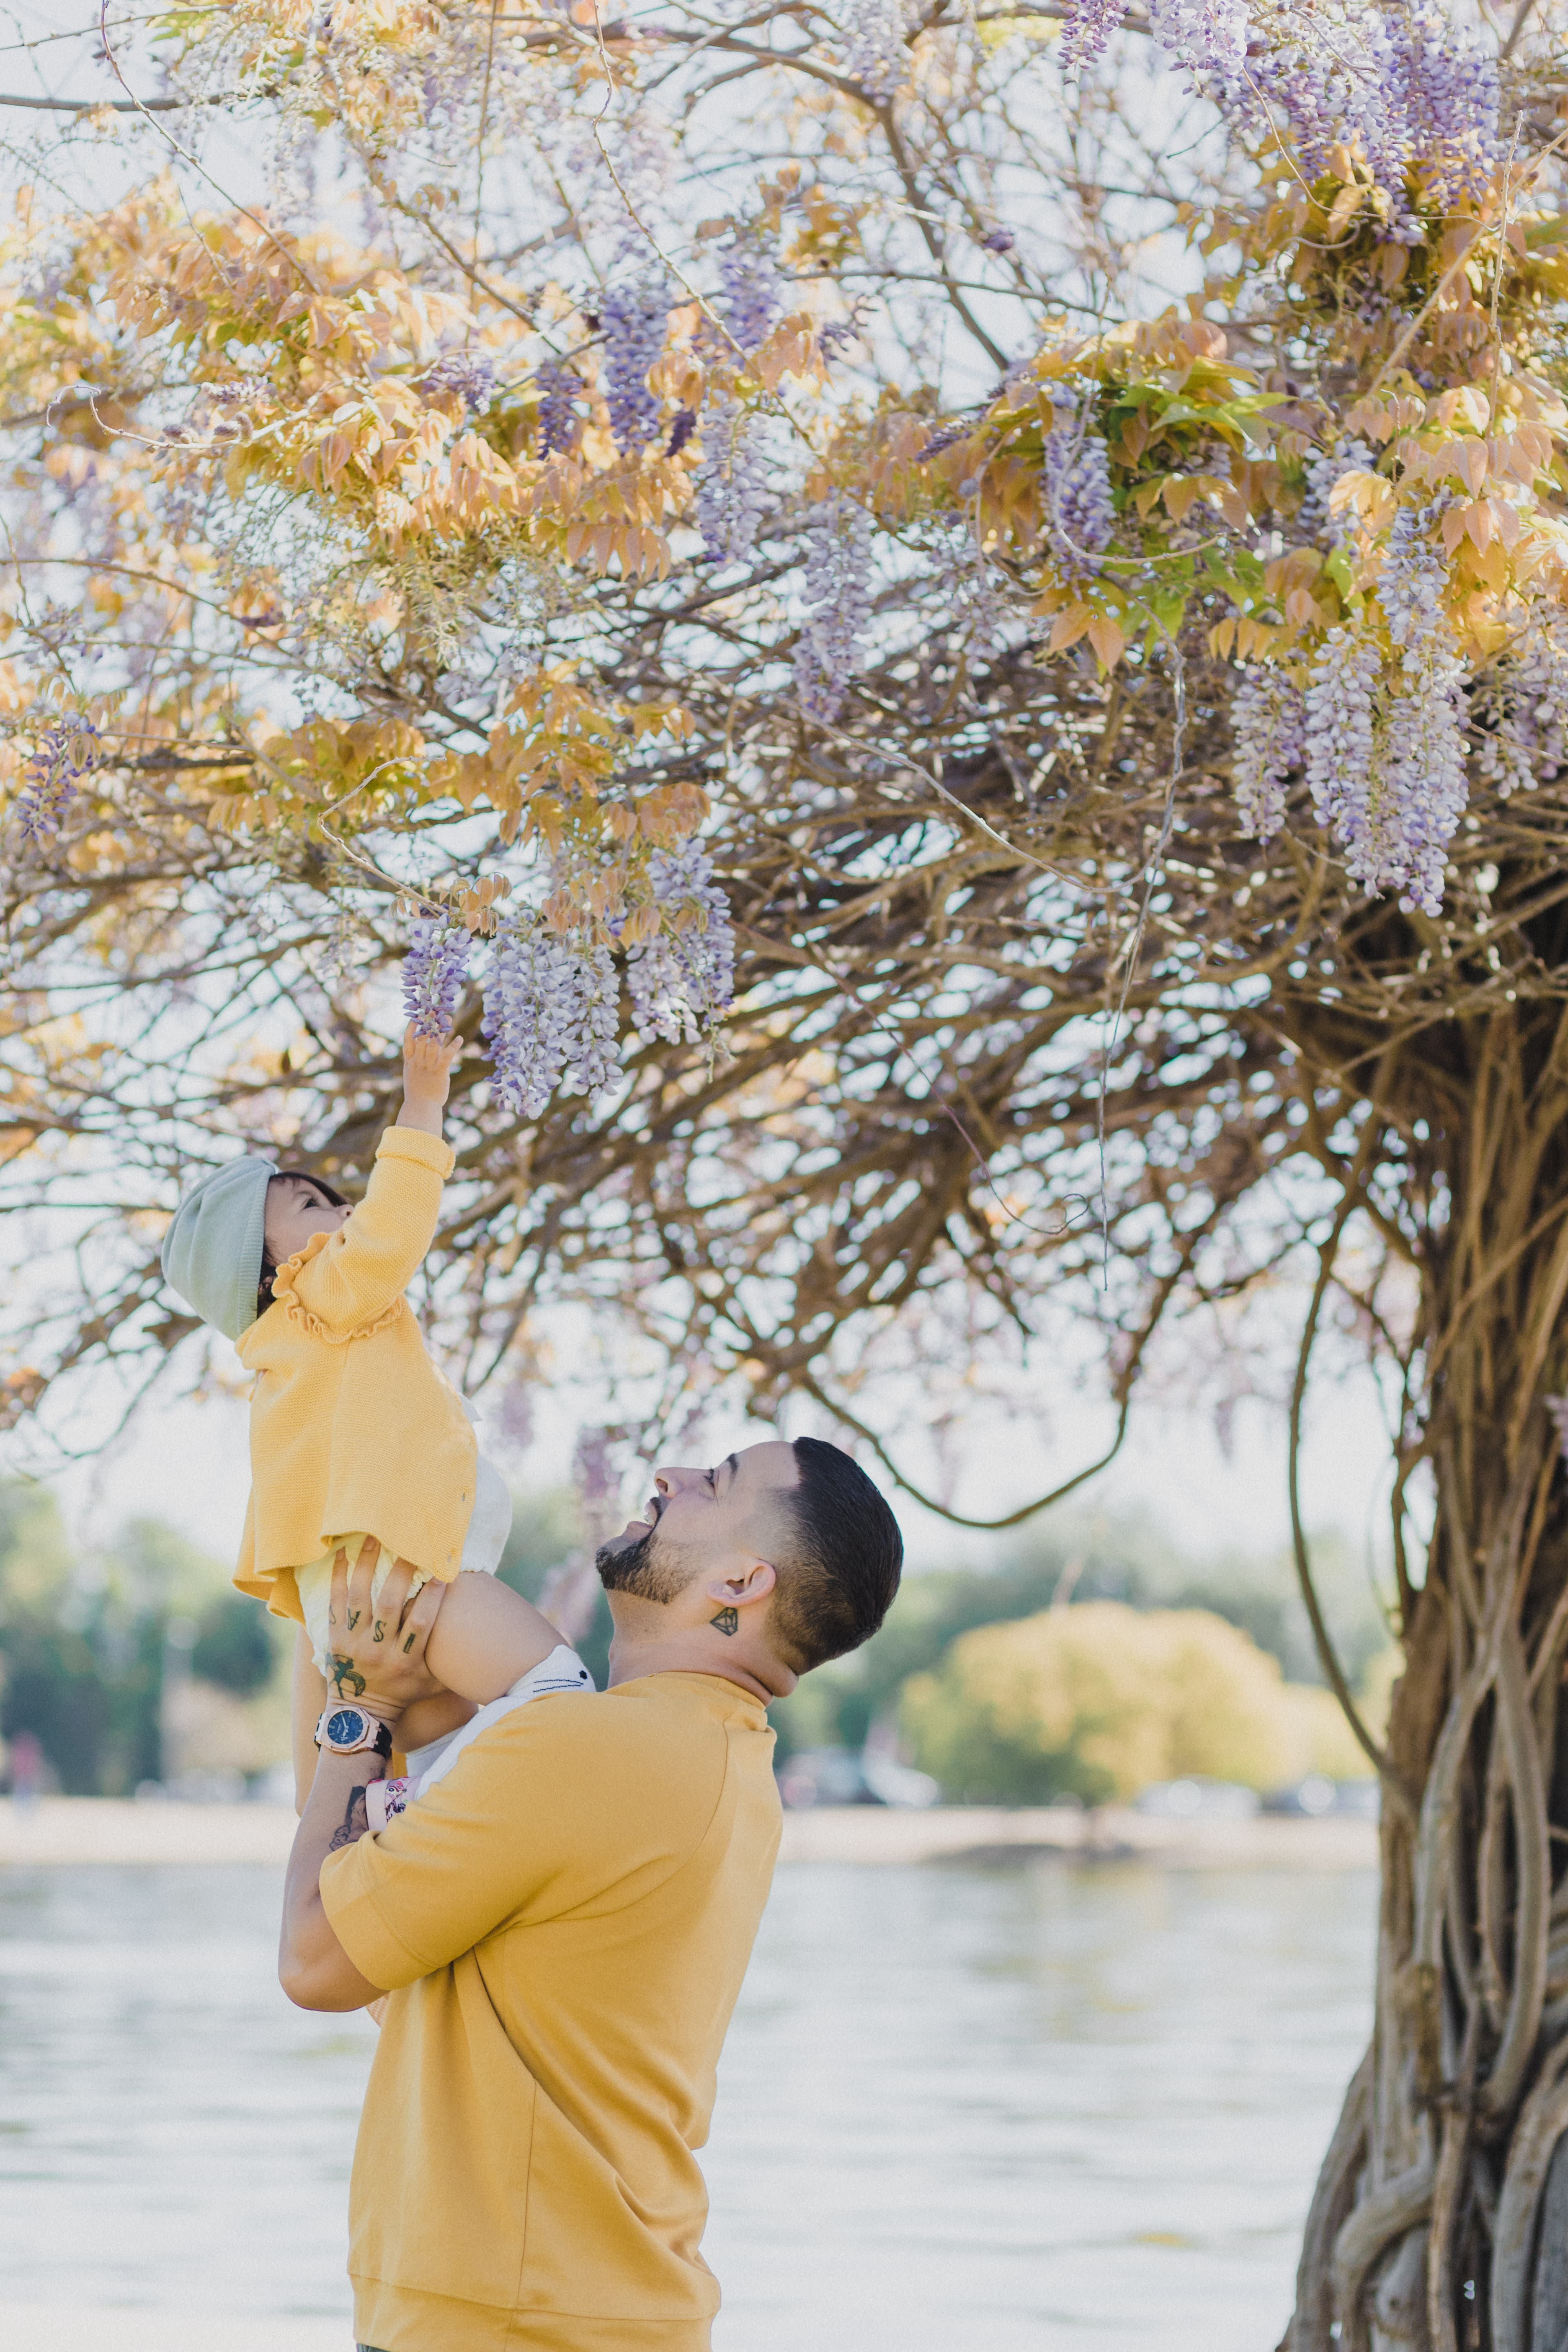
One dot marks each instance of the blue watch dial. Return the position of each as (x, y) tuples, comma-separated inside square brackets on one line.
[(346, 1724)]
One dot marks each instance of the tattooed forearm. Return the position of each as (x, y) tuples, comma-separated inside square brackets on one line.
[(728, 1621), (355, 1823)]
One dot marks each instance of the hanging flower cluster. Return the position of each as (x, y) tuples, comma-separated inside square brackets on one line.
[(633, 319), (470, 374), (1315, 519), (683, 981), (66, 750), (732, 489), (1384, 747), (434, 971), (751, 290), (838, 594), (558, 388), (1075, 489), (876, 54), (1519, 706), (1268, 719), (1399, 83), (550, 1017)]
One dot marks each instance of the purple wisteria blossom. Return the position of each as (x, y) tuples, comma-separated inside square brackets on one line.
[(434, 971), (1401, 82), (1087, 25), (873, 49), (1268, 718), (1385, 747), (550, 1018), (64, 753), (1076, 487), (558, 388), (838, 577), (683, 981), (1519, 706), (633, 317), (1324, 468), (732, 491), (754, 297), (1340, 745), (1207, 37), (470, 374)]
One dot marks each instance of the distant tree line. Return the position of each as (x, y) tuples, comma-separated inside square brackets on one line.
[(86, 1635)]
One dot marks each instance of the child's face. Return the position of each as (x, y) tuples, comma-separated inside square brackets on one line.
[(296, 1209)]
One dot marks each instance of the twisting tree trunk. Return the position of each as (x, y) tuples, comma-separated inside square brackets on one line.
[(1441, 2216)]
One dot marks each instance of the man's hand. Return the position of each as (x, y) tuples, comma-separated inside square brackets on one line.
[(428, 1067), (377, 1659), (376, 1648)]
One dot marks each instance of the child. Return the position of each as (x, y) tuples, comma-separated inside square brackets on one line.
[(355, 1437)]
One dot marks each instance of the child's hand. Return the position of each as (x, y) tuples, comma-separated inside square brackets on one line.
[(428, 1067)]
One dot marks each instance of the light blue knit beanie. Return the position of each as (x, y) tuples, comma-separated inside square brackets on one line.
[(212, 1252)]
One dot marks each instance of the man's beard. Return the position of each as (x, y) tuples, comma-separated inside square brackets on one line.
[(637, 1568)]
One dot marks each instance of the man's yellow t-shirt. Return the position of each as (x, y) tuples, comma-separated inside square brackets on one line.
[(564, 1923)]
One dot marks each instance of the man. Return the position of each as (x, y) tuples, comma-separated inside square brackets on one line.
[(563, 1923)]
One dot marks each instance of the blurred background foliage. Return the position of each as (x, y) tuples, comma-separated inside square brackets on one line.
[(1087, 1660)]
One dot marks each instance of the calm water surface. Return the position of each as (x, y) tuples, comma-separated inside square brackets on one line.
[(963, 2109)]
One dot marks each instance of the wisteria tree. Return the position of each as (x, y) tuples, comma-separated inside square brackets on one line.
[(948, 789)]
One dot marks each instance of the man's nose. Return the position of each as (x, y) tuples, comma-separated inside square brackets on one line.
[(670, 1482)]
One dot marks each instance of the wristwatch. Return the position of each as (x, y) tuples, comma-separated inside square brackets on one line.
[(347, 1730)]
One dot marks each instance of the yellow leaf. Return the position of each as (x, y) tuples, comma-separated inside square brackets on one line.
[(1107, 640), (1069, 626)]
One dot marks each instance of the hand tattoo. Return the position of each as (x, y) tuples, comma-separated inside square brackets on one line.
[(354, 1616), (355, 1823), (728, 1621), (347, 1680), (378, 1631)]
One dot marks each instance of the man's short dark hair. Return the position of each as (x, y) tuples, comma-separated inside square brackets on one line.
[(838, 1583)]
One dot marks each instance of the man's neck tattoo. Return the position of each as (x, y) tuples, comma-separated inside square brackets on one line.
[(728, 1621), (347, 1680)]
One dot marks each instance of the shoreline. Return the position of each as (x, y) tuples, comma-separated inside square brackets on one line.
[(57, 1833)]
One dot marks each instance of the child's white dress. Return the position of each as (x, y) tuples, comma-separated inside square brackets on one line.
[(488, 1527)]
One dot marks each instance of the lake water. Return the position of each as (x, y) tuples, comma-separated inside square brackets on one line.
[(962, 2108)]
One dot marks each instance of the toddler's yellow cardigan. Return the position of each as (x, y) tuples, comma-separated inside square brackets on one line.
[(353, 1429)]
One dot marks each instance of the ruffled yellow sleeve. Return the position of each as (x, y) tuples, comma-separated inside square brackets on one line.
[(346, 1284)]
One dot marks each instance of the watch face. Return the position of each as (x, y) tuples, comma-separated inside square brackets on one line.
[(345, 1724)]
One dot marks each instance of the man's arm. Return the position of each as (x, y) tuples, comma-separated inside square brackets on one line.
[(308, 1697), (313, 1966)]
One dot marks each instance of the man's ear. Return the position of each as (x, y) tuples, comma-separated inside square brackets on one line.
[(751, 1583)]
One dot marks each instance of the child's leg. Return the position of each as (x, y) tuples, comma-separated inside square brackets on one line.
[(430, 1719), (486, 1638)]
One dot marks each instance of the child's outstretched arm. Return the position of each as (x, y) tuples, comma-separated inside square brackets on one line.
[(427, 1065), (368, 1264)]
